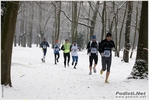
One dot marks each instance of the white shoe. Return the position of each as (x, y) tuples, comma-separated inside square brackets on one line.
[(94, 69), (90, 73)]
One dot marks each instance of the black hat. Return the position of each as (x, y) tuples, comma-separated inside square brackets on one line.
[(109, 35), (74, 41)]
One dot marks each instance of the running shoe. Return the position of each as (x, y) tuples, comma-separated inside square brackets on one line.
[(106, 81), (101, 71), (90, 73), (94, 70)]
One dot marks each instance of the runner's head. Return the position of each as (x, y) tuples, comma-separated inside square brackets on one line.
[(44, 39), (74, 42), (66, 41), (56, 41), (109, 36), (94, 37)]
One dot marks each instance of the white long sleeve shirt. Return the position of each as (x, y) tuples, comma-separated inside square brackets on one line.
[(74, 50)]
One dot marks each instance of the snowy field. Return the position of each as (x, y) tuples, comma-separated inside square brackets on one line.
[(32, 79)]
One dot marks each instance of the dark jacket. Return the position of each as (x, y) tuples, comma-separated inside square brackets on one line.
[(106, 45), (44, 45), (92, 44)]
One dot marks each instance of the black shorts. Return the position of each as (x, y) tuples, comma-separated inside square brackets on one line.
[(106, 63), (93, 57)]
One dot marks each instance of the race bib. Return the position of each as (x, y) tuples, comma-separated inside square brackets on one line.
[(44, 46), (57, 49), (107, 53), (75, 50), (94, 50)]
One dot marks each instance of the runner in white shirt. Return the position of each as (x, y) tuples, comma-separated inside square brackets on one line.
[(74, 53)]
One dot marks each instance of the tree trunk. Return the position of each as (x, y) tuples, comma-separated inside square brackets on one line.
[(116, 39), (25, 29), (88, 30), (120, 36), (8, 30), (76, 24), (127, 34), (134, 39), (26, 26), (140, 69), (31, 26), (93, 22), (15, 40), (40, 23), (19, 42), (55, 27), (58, 21), (105, 18), (74, 19), (116, 23), (22, 25), (103, 31), (24, 40)]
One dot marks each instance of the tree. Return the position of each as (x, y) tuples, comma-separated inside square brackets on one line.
[(120, 36), (8, 30), (22, 30), (127, 33), (31, 25), (140, 68), (88, 22), (134, 38), (93, 21), (58, 21), (103, 31), (74, 19)]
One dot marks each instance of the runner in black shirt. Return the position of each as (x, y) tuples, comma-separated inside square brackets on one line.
[(106, 47), (93, 48)]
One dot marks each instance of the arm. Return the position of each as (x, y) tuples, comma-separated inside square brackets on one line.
[(113, 46), (62, 48), (47, 44), (41, 44), (59, 47), (99, 47), (70, 47), (88, 48)]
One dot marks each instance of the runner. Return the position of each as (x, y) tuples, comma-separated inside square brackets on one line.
[(44, 44), (74, 53), (93, 48), (66, 52), (56, 52), (106, 47)]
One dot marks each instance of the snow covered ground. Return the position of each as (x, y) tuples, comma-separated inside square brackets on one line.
[(32, 79)]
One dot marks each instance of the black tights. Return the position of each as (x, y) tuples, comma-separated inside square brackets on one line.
[(93, 57), (66, 55), (56, 55)]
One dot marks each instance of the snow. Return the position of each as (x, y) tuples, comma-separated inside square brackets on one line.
[(32, 79)]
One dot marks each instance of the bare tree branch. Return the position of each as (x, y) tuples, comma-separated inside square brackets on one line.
[(70, 19)]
